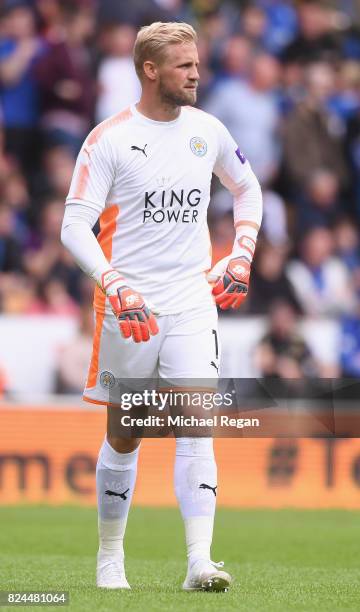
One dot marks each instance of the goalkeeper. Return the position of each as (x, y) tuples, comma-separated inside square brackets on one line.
[(145, 173)]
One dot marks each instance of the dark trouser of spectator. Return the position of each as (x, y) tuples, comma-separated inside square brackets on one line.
[(25, 145)]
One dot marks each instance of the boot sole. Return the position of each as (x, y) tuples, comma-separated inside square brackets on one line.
[(107, 586), (216, 583)]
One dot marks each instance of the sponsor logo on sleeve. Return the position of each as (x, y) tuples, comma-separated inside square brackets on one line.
[(240, 155)]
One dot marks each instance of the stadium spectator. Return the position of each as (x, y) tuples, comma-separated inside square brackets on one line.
[(351, 37), (54, 299), (346, 97), (353, 154), (42, 257), (222, 234), (20, 50), (65, 81), (254, 25), (292, 87), (350, 333), (18, 295), (118, 84), (350, 348), (50, 18), (283, 352), (216, 18), (73, 357), (137, 12), (282, 24), (347, 243), (254, 118), (320, 279), (15, 194), (58, 165), (235, 57), (274, 224), (55, 274), (7, 163), (10, 248), (312, 136), (317, 40), (269, 281), (320, 205)]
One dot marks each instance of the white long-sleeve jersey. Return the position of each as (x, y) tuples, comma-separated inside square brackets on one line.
[(149, 184)]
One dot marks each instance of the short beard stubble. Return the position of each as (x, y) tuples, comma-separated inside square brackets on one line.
[(177, 99)]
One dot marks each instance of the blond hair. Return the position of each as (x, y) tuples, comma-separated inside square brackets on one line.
[(153, 39)]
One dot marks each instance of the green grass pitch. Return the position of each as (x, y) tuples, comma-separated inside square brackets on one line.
[(281, 560)]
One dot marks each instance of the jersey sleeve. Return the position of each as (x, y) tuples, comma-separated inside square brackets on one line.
[(236, 175), (231, 166), (93, 174), (77, 236)]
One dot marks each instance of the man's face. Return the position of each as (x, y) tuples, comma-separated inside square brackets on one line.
[(178, 74)]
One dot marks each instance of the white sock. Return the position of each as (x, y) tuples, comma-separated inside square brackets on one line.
[(115, 473), (195, 489)]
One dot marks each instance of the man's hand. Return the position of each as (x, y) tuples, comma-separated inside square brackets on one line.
[(232, 287), (134, 317)]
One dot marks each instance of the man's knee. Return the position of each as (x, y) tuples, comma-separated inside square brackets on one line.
[(122, 437), (123, 445)]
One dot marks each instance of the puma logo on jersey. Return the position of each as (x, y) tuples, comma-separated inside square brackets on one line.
[(135, 148)]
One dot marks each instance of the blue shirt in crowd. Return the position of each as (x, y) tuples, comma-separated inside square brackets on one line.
[(19, 101)]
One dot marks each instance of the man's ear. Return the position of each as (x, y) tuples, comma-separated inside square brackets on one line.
[(150, 70)]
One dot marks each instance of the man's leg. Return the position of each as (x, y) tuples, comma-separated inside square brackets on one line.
[(115, 360), (195, 487), (190, 352), (115, 482)]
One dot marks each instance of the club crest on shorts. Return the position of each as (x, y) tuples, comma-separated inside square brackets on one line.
[(198, 146), (107, 380)]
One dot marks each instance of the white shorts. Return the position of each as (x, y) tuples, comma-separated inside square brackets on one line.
[(187, 347)]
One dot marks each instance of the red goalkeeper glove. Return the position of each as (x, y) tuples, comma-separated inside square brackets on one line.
[(232, 287), (134, 317)]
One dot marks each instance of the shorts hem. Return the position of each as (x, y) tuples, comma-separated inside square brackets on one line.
[(99, 402)]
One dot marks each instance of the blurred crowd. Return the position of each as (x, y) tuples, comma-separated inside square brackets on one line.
[(283, 76)]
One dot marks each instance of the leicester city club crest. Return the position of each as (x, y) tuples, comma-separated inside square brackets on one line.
[(198, 146), (107, 380)]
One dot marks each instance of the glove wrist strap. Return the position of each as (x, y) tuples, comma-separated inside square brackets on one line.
[(110, 277), (244, 247)]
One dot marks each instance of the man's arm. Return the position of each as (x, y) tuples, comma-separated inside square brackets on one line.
[(77, 236), (89, 188), (233, 272), (13, 65)]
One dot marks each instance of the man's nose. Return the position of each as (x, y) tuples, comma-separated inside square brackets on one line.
[(194, 74)]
